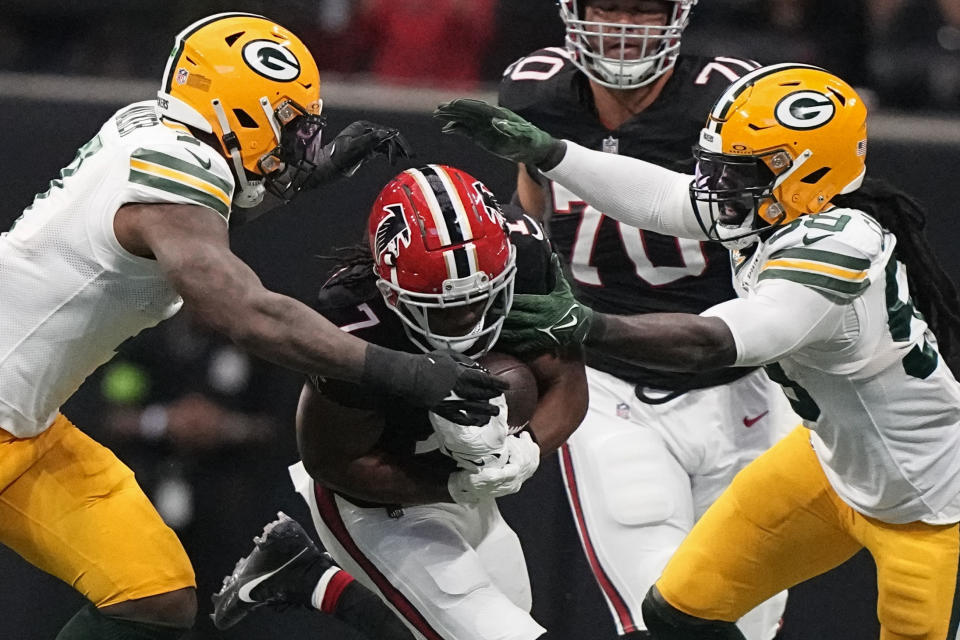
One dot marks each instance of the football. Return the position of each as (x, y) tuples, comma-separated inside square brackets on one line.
[(522, 395)]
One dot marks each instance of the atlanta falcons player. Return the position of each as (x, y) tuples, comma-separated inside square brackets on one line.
[(402, 499)]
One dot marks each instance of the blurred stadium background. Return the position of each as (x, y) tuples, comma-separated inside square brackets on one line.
[(217, 473)]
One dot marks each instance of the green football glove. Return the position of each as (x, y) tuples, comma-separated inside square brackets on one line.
[(539, 323), (501, 132)]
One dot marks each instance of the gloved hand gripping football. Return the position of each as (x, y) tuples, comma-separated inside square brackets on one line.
[(473, 446), (519, 460)]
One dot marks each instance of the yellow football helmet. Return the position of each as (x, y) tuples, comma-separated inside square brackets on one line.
[(781, 142), (255, 87)]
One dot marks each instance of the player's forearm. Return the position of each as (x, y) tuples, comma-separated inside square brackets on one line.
[(389, 479), (229, 297), (668, 341), (289, 333), (632, 191), (561, 407)]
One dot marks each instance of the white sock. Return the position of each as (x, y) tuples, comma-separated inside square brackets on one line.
[(316, 599)]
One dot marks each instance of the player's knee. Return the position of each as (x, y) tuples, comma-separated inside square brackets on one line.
[(666, 622), (176, 609)]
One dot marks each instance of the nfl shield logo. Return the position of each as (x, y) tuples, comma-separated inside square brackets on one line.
[(611, 145), (182, 75), (623, 410)]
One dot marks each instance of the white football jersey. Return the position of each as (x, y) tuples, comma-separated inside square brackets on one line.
[(883, 407), (69, 293)]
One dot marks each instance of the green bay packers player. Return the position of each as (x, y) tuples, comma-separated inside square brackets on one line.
[(630, 92), (841, 301), (134, 228)]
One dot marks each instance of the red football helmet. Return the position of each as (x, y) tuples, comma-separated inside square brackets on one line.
[(445, 263)]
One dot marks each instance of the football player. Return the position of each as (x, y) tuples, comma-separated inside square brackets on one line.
[(401, 502), (131, 230), (621, 86), (841, 300)]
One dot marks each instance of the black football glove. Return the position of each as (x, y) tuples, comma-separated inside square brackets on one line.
[(356, 144), (449, 384), (501, 132)]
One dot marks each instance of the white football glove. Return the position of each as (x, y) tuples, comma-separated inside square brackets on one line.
[(473, 447), (518, 460)]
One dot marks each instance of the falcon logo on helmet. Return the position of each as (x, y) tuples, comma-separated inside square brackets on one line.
[(255, 88), (391, 231), (444, 262), (489, 201)]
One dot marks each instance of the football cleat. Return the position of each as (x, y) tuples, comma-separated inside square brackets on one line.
[(274, 573)]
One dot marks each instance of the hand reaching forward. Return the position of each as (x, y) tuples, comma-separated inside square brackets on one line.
[(501, 132)]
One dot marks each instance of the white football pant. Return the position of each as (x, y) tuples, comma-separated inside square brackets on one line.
[(638, 476)]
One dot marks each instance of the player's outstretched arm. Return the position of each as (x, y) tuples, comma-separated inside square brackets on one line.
[(501, 132), (674, 341), (191, 245), (632, 191), (668, 341)]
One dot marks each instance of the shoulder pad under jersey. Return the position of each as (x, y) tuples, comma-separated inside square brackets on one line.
[(169, 165), (836, 252)]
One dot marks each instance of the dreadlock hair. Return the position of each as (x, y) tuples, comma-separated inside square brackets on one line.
[(934, 293), (353, 264)]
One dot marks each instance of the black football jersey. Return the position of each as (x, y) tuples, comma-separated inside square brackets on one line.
[(616, 268), (351, 300)]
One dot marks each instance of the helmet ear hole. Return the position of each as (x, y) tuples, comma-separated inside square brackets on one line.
[(816, 176), (244, 119)]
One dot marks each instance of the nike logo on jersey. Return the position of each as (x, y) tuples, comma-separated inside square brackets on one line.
[(808, 240), (749, 422), (205, 163), (245, 590)]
